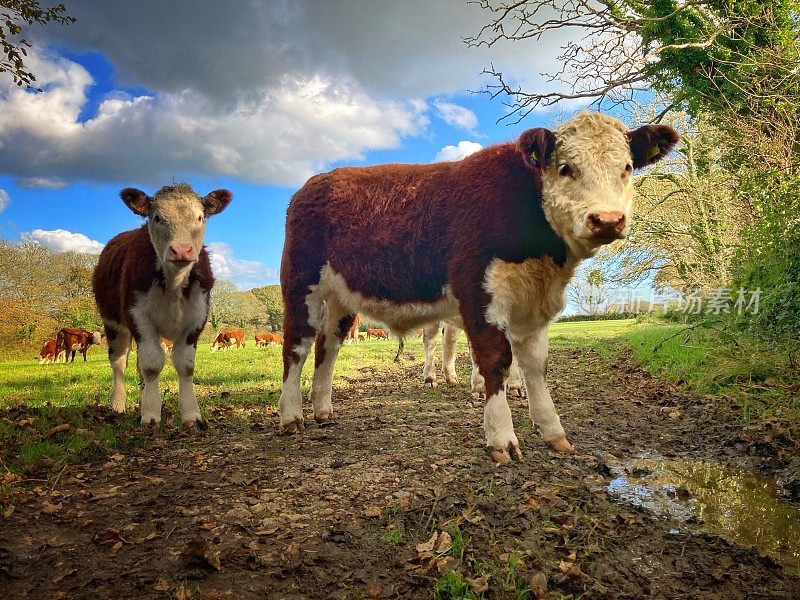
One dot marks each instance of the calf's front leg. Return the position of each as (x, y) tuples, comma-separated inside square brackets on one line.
[(492, 354), (150, 361), (183, 355), (531, 352)]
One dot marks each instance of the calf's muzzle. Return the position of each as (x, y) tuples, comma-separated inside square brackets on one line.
[(606, 225)]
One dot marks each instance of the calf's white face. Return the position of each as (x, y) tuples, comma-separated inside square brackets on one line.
[(586, 167), (177, 220)]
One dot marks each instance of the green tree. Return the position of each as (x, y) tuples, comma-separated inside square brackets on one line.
[(271, 299), (15, 17)]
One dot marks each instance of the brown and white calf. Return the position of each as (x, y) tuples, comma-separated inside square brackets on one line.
[(73, 339), (489, 241), (227, 338), (265, 339), (430, 334), (154, 282), (50, 353), (377, 333)]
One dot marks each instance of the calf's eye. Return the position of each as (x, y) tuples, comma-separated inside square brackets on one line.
[(156, 219), (565, 170), (200, 219), (628, 168)]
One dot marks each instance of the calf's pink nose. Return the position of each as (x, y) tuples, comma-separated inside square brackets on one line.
[(181, 252), (607, 222)]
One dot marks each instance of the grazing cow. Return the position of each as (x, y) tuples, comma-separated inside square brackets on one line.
[(489, 241), (72, 339), (430, 334), (50, 353), (377, 333), (265, 339), (227, 338), (352, 333), (155, 282)]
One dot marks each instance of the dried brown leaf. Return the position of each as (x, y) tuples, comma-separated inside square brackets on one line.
[(58, 429), (480, 585), (429, 545), (373, 511)]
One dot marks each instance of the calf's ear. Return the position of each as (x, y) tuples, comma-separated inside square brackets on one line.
[(650, 143), (136, 200), (536, 147), (216, 201)]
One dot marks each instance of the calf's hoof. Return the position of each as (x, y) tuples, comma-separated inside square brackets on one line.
[(294, 426), (151, 422), (451, 380), (561, 444), (199, 424), (517, 390), (324, 419), (430, 382), (505, 455)]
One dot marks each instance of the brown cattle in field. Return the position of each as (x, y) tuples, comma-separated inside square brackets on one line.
[(73, 339), (377, 333), (50, 353), (265, 339), (487, 243), (352, 333), (155, 282), (227, 338)]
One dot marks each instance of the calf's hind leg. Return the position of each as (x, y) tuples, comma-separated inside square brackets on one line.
[(119, 345), (302, 316), (336, 323)]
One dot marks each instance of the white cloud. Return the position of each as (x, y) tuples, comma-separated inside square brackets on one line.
[(464, 148), (42, 183), (60, 240), (287, 134), (4, 199), (246, 274), (456, 115)]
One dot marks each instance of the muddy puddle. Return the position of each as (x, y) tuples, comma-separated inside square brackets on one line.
[(739, 505)]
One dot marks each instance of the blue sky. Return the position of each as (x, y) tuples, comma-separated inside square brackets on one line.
[(255, 99)]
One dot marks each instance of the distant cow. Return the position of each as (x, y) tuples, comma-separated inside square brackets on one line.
[(50, 353), (72, 339), (265, 339), (155, 282), (488, 243), (377, 334), (227, 338), (167, 345), (352, 333)]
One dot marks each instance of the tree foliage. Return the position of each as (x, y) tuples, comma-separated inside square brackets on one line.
[(15, 17)]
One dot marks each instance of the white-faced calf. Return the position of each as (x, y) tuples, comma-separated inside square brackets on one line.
[(487, 243), (154, 282)]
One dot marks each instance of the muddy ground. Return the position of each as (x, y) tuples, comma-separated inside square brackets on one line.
[(398, 499)]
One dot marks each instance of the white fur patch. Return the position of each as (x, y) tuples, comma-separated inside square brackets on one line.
[(290, 405), (497, 423), (531, 352), (526, 296), (401, 317)]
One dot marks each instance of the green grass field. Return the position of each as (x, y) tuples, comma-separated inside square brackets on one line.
[(235, 383)]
